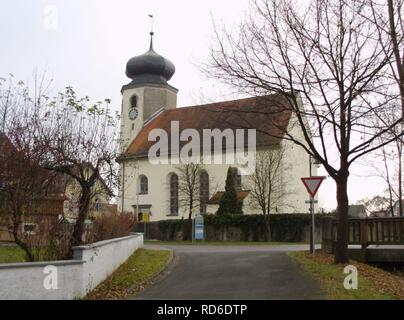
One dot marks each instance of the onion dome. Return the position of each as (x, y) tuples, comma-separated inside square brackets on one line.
[(150, 67)]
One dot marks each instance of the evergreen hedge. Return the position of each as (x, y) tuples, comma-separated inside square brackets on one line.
[(284, 227)]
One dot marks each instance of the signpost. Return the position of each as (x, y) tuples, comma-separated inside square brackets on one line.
[(312, 185), (198, 227)]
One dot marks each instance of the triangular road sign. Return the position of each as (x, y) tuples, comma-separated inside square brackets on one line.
[(312, 184)]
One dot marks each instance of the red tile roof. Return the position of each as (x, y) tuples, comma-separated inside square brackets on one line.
[(267, 114), (241, 195)]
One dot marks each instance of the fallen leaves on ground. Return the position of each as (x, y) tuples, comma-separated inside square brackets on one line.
[(131, 277), (383, 281)]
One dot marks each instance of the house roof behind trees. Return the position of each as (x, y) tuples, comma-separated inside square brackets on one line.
[(357, 211), (54, 182)]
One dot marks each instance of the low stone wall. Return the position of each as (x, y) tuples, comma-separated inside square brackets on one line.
[(75, 278)]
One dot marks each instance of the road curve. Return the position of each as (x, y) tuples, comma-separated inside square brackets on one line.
[(233, 272)]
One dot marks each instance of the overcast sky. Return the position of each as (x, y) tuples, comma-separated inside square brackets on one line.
[(86, 44)]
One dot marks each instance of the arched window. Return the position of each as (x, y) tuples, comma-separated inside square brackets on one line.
[(173, 194), (133, 101), (236, 179), (203, 191), (143, 184)]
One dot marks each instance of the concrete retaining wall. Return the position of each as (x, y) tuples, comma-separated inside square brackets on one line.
[(91, 265)]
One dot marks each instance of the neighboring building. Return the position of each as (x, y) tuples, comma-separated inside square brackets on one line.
[(357, 211), (100, 201), (59, 201), (380, 214), (391, 212), (148, 102), (214, 201)]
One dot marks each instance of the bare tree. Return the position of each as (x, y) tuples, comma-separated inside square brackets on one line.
[(387, 15), (189, 189), (375, 204), (391, 172), (65, 135), (331, 72), (391, 156), (23, 183), (80, 140), (267, 186)]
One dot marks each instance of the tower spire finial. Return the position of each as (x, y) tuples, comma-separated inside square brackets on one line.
[(151, 31)]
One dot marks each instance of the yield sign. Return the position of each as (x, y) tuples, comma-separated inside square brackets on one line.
[(312, 184)]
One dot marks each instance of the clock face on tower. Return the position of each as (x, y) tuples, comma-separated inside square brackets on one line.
[(133, 114)]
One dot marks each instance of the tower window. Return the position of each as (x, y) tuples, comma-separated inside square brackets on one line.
[(133, 101)]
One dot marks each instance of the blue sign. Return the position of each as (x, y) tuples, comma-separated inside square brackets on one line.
[(199, 233)]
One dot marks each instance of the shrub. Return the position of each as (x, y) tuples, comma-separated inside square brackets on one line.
[(109, 226), (50, 241), (169, 229), (289, 227), (253, 227)]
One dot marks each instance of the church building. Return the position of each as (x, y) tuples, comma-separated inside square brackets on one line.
[(152, 191)]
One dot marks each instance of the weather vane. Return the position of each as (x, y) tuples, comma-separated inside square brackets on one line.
[(151, 23)]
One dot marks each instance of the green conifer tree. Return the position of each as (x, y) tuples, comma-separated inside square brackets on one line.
[(229, 203)]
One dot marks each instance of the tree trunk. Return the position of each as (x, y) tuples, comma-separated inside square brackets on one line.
[(21, 244), (84, 205), (268, 226), (341, 250), (188, 233), (400, 180), (396, 52), (388, 180)]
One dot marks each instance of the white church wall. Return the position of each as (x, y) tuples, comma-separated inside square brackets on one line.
[(158, 195), (296, 162)]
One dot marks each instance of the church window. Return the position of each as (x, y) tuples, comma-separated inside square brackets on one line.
[(133, 101), (204, 191), (173, 194), (144, 185)]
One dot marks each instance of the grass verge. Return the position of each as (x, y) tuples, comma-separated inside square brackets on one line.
[(11, 254), (221, 243), (373, 283), (132, 276)]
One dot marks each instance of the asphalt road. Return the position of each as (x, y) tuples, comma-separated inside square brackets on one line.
[(233, 272)]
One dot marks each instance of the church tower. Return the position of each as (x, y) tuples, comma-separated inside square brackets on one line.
[(147, 93)]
